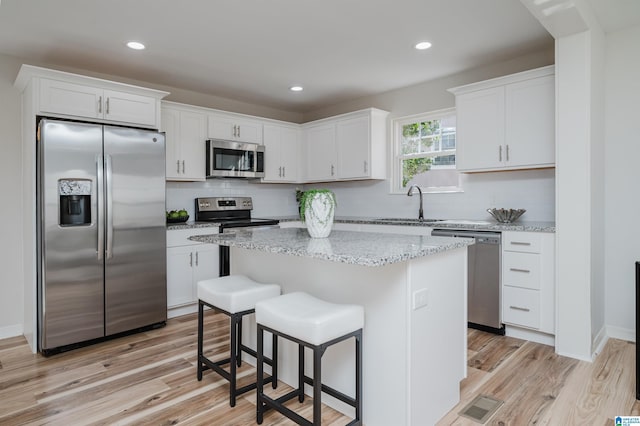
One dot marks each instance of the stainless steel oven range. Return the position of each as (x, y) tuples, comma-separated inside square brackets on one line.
[(229, 213)]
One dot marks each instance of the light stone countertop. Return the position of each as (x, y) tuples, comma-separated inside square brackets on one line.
[(355, 248), (478, 225)]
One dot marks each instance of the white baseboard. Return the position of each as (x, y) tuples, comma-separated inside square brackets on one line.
[(621, 333), (599, 341), (531, 335), (11, 331), (182, 310)]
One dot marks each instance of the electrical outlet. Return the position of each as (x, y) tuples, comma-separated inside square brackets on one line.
[(420, 298)]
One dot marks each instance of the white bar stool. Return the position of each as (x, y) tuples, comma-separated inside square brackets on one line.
[(236, 296), (316, 324)]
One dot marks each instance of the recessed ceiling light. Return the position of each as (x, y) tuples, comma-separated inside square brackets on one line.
[(423, 45), (136, 45), (296, 88)]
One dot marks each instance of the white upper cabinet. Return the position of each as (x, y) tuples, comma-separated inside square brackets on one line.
[(282, 153), (347, 147), (321, 152), (62, 94), (186, 130), (234, 128), (507, 123)]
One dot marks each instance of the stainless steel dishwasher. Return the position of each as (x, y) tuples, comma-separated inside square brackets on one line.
[(483, 278)]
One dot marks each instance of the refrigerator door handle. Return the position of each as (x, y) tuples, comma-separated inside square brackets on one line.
[(109, 213), (100, 205)]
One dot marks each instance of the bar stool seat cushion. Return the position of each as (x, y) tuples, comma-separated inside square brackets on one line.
[(309, 319), (235, 293)]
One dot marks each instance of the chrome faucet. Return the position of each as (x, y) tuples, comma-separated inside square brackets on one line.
[(410, 193)]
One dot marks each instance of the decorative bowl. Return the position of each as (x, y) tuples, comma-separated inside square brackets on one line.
[(178, 219), (506, 215)]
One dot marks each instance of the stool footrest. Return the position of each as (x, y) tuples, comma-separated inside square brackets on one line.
[(333, 392), (277, 404)]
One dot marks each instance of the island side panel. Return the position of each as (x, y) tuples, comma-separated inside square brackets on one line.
[(438, 333), (383, 293)]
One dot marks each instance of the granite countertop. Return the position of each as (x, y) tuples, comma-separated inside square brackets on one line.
[(480, 225), (355, 248)]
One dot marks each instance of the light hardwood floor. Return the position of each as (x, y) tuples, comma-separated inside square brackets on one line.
[(149, 378)]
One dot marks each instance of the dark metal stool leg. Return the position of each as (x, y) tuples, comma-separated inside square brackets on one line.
[(301, 373), (359, 376), (260, 379), (232, 359), (274, 361), (239, 334), (200, 338), (317, 386)]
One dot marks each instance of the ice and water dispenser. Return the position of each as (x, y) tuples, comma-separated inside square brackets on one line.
[(74, 202)]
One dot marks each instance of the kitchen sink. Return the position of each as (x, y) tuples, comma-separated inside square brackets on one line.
[(406, 220)]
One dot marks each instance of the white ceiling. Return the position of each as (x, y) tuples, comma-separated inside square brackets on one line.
[(253, 50)]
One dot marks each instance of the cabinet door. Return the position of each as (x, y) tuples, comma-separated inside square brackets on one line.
[(206, 264), (234, 129), (353, 142), (59, 97), (129, 108), (530, 122), (290, 154), (170, 125), (480, 130), (272, 166), (192, 136), (180, 288), (321, 152)]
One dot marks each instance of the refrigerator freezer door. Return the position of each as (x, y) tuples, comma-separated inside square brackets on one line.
[(135, 239), (71, 291)]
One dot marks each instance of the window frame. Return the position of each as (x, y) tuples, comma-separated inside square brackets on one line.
[(396, 137)]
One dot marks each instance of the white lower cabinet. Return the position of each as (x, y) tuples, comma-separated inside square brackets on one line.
[(188, 263), (528, 282)]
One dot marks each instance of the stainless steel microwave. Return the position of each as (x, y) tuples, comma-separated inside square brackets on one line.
[(234, 159)]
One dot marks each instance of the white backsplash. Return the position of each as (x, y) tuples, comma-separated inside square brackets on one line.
[(533, 190)]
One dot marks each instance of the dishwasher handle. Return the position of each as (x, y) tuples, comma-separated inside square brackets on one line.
[(481, 237)]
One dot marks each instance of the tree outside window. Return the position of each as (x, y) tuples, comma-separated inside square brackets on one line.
[(426, 147)]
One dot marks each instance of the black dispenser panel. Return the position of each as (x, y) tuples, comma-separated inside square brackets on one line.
[(74, 202)]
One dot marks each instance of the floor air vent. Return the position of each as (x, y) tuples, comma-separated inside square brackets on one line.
[(481, 408)]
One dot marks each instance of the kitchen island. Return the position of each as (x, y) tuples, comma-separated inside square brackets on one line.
[(414, 292)]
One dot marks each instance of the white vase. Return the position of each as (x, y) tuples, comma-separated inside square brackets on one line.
[(318, 215)]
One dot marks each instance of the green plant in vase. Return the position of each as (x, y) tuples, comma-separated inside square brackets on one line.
[(317, 208)]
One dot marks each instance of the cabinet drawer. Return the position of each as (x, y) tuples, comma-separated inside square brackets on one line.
[(526, 242), (521, 270), (521, 306), (180, 237)]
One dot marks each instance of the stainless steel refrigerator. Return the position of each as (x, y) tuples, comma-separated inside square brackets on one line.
[(101, 232)]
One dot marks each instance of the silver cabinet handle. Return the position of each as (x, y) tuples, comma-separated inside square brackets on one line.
[(191, 259), (238, 130), (283, 172), (235, 131), (100, 105), (520, 243), (332, 170), (507, 152), (107, 106), (178, 166), (279, 171), (365, 166), (100, 205), (196, 258), (109, 196), (526, 271), (518, 308), (182, 166), (500, 153)]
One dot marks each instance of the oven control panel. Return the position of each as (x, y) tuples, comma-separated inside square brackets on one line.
[(224, 203)]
